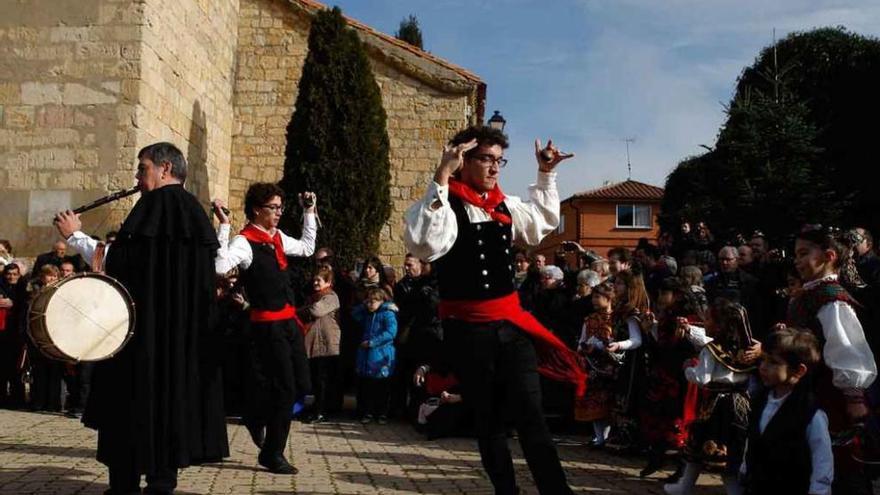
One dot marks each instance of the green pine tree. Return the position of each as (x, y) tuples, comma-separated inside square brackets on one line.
[(410, 32), (337, 142)]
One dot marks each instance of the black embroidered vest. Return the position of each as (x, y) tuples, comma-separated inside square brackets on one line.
[(480, 264), (267, 286), (779, 460)]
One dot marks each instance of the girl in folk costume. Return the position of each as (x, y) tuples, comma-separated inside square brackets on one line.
[(722, 370), (631, 305), (602, 365), (669, 345), (825, 308)]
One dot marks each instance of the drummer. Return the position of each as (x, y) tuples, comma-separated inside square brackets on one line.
[(155, 409)]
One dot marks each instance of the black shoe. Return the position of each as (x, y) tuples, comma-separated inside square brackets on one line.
[(654, 465), (258, 434), (72, 413), (675, 476), (318, 419), (277, 464)]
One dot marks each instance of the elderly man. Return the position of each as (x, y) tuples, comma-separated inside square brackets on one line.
[(734, 284), (465, 226), (57, 256), (157, 404), (419, 331)]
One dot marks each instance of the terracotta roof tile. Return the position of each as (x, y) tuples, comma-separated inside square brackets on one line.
[(313, 4), (628, 189)]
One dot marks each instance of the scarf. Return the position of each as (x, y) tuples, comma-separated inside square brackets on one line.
[(255, 234), (493, 198)]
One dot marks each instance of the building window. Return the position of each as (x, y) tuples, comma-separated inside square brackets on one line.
[(634, 216), (561, 228)]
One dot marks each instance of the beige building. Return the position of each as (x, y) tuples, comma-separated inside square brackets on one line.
[(84, 84)]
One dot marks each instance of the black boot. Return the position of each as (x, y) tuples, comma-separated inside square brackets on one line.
[(272, 454), (655, 461)]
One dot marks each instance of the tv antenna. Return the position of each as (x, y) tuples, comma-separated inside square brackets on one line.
[(628, 164)]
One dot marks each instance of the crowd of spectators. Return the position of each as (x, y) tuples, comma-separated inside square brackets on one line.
[(641, 318)]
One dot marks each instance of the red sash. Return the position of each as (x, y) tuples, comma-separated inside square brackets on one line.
[(493, 198), (555, 360)]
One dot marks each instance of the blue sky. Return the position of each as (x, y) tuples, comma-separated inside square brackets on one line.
[(589, 73)]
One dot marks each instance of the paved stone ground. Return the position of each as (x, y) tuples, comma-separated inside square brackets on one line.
[(53, 455)]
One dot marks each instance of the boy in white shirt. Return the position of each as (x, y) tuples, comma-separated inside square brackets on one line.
[(789, 447)]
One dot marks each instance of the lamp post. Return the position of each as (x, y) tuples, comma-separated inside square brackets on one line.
[(496, 121)]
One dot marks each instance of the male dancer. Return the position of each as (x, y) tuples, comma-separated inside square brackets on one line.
[(465, 226), (280, 368), (158, 403)]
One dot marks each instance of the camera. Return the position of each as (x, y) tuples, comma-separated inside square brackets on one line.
[(308, 201)]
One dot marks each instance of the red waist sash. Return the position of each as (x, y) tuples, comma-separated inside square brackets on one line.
[(555, 360), (288, 312)]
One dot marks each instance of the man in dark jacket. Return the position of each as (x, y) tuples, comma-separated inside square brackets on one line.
[(158, 403), (419, 330)]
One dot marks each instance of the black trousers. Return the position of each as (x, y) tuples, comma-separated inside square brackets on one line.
[(11, 387), (79, 384), (374, 396), (46, 388), (325, 373), (497, 366), (279, 374)]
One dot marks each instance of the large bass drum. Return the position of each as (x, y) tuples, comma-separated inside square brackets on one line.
[(84, 317)]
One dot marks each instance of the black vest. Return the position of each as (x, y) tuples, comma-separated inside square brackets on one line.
[(267, 286), (480, 264), (779, 460)]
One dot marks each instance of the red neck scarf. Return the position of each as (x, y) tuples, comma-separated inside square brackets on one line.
[(493, 198), (255, 234), (555, 360)]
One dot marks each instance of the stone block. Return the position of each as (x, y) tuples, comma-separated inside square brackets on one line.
[(19, 116), (10, 94), (36, 93)]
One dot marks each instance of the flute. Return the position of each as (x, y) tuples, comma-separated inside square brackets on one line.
[(106, 199), (113, 197)]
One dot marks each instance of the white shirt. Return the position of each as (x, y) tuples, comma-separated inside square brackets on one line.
[(84, 245), (818, 439), (634, 337), (430, 233), (846, 350), (709, 370), (238, 251)]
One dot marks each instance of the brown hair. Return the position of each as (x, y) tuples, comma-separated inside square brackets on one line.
[(325, 273), (376, 294), (636, 298), (605, 289), (794, 346), (50, 270), (258, 194)]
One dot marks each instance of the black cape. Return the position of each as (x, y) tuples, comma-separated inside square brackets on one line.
[(159, 402)]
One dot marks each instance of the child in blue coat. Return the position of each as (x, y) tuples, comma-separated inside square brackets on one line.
[(375, 357)]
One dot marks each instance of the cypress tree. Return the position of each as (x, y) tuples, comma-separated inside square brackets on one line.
[(410, 32), (337, 142)]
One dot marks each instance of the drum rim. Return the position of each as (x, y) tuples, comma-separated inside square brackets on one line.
[(58, 283)]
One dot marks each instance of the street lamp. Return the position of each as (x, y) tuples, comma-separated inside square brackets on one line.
[(496, 121)]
